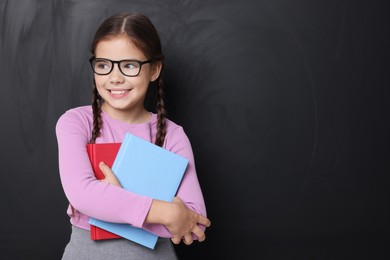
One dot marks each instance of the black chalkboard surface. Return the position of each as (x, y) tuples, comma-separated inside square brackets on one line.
[(286, 104)]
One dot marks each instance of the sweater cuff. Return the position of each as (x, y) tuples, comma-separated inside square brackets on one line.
[(143, 212)]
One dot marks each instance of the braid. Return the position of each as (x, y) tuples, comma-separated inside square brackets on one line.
[(161, 114), (97, 120)]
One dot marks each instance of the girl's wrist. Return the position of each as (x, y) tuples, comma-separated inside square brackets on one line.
[(158, 212)]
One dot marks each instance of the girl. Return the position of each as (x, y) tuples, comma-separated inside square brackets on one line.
[(127, 58)]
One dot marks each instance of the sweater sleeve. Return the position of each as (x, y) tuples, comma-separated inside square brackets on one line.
[(84, 192), (189, 190)]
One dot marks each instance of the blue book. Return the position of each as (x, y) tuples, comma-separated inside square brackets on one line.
[(146, 169)]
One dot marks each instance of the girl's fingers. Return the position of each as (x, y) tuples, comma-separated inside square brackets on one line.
[(105, 169), (176, 240), (204, 221), (188, 239), (109, 176), (199, 233)]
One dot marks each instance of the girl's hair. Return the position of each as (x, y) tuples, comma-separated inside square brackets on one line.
[(143, 34)]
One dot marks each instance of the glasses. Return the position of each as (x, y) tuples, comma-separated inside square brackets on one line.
[(130, 68)]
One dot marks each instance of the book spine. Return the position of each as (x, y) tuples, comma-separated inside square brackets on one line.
[(91, 154), (94, 233)]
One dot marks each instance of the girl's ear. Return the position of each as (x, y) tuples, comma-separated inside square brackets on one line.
[(156, 70)]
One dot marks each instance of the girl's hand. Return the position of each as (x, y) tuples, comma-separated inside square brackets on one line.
[(109, 176), (183, 222)]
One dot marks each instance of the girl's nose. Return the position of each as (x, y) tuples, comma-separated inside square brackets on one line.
[(116, 76)]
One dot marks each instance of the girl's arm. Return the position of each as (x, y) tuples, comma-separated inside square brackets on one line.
[(84, 192), (181, 221)]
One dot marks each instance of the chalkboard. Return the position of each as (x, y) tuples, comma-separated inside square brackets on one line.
[(286, 104)]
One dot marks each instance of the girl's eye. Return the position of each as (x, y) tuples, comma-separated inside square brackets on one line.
[(130, 65), (101, 65)]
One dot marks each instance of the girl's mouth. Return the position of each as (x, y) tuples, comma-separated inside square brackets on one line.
[(119, 93)]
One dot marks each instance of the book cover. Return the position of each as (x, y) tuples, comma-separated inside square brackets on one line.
[(97, 153), (146, 169)]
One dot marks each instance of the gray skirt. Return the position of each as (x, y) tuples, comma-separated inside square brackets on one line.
[(81, 247)]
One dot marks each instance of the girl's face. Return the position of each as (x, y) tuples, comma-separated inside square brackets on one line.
[(124, 96)]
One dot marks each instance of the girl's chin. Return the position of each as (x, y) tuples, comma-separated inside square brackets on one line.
[(119, 105)]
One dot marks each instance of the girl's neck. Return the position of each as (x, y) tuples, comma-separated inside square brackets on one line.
[(133, 116)]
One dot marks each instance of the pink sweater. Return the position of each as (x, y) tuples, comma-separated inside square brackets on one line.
[(103, 201)]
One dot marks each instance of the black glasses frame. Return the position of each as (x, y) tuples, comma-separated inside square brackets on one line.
[(113, 62)]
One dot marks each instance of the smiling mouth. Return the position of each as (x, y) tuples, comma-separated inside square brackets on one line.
[(119, 92)]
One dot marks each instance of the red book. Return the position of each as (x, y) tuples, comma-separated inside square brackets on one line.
[(104, 152)]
